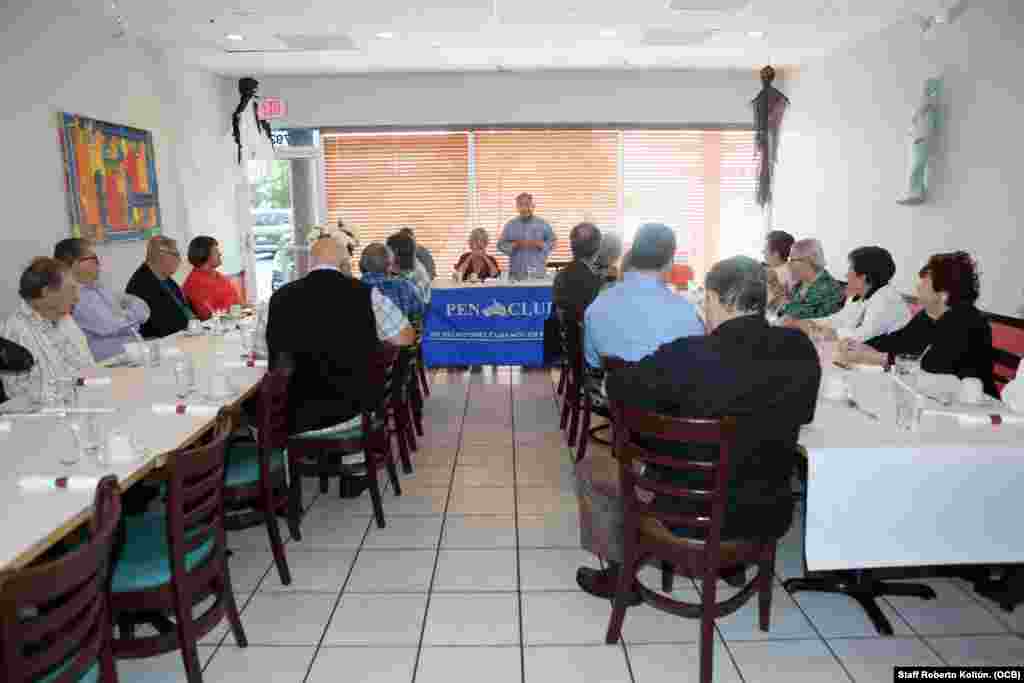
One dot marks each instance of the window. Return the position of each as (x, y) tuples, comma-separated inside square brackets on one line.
[(699, 182)]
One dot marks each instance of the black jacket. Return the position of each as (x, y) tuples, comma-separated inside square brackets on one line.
[(576, 286), (166, 315), (325, 323), (766, 377)]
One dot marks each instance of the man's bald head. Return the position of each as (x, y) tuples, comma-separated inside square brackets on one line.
[(326, 252)]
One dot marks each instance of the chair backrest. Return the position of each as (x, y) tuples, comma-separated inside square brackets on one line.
[(55, 616), (195, 496), (380, 376), (273, 407), (705, 496), (1007, 346)]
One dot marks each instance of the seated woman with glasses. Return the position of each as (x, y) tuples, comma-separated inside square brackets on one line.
[(950, 334), (873, 306), (477, 261), (207, 289)]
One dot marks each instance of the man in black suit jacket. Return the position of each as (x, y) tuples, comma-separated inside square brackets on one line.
[(169, 311), (579, 283), (326, 325), (767, 377)]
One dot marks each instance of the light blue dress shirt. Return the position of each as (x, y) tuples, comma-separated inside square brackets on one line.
[(521, 260), (108, 320), (636, 316)]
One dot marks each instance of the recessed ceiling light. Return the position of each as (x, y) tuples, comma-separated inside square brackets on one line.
[(609, 33), (234, 36), (385, 35), (436, 43), (756, 35)]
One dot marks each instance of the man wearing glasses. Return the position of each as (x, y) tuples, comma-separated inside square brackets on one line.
[(108, 320), (153, 282), (817, 294)]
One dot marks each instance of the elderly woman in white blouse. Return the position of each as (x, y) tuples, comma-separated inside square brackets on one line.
[(873, 306)]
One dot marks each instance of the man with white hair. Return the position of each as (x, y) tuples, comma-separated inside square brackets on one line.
[(817, 294)]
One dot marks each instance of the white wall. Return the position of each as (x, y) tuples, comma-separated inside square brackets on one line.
[(70, 63), (672, 97), (843, 153)]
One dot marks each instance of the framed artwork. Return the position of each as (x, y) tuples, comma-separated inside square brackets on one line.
[(109, 179)]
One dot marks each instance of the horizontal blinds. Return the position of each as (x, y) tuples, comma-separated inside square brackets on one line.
[(380, 183), (572, 175), (742, 226)]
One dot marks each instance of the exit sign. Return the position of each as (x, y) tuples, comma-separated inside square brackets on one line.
[(272, 108)]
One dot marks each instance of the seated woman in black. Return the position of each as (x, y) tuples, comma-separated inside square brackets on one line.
[(477, 261), (951, 332)]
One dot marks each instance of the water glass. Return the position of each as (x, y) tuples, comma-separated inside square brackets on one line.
[(67, 392), (907, 365), (155, 353), (88, 436), (194, 326), (50, 394), (184, 377), (908, 408)]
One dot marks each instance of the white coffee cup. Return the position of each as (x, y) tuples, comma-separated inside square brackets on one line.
[(971, 390), (834, 388)]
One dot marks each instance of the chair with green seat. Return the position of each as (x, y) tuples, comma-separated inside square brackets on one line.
[(400, 411), (315, 454), (174, 559), (55, 617), (255, 482)]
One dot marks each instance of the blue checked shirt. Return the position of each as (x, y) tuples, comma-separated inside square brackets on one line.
[(402, 292)]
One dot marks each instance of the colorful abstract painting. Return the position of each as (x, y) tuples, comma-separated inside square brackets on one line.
[(110, 180)]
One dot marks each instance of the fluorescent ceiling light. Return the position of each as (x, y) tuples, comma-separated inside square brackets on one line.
[(234, 36), (385, 35), (756, 35), (609, 33)]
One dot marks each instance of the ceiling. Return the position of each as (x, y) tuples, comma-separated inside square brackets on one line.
[(306, 37)]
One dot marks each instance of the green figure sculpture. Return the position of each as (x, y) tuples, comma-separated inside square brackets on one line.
[(922, 141)]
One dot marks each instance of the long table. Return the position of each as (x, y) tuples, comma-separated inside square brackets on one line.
[(35, 521), (487, 324), (882, 497)]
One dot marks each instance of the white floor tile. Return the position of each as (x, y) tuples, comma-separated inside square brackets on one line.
[(871, 660), (255, 538), (545, 501), (1006, 650), (392, 571), (447, 664), (166, 668), (427, 474), (377, 619), (405, 532), (790, 661), (545, 569), (287, 618), (415, 502), (371, 664), (837, 616), (787, 621), (491, 475), (579, 664), (674, 662), (472, 619), (953, 612), (322, 571), (564, 618), (217, 633), (558, 530), (259, 665), (329, 526), (479, 531), (491, 569), (248, 567), (473, 500)]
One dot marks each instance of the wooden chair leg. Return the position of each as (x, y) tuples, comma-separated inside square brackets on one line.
[(626, 573), (374, 486), (410, 431), (764, 592), (295, 506), (186, 634), (561, 381), (276, 545), (422, 372), (584, 433), (707, 625), (231, 610), (396, 426), (668, 574)]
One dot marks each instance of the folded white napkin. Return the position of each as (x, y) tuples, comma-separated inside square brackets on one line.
[(935, 384), (94, 381), (53, 483), (236, 364), (190, 409)]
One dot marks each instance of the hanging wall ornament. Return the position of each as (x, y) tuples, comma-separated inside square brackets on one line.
[(769, 108), (252, 134), (920, 140)]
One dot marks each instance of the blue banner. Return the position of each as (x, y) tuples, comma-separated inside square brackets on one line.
[(486, 326)]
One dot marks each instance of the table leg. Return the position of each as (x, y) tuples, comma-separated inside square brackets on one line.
[(865, 590)]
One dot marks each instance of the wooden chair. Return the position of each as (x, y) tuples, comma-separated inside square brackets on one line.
[(311, 455), (418, 388), (421, 372), (1007, 347), (255, 481), (400, 409), (595, 402), (648, 527), (173, 560), (572, 350), (55, 617)]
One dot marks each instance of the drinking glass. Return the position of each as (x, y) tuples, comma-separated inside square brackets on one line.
[(908, 366), (194, 326), (184, 377), (154, 353), (88, 436), (67, 393)]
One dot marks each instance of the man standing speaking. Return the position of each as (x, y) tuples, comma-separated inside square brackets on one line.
[(527, 240)]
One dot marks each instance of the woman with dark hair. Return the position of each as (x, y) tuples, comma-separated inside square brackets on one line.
[(206, 288), (873, 306), (950, 331)]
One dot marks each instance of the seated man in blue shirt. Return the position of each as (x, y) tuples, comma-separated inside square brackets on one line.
[(632, 319), (376, 264)]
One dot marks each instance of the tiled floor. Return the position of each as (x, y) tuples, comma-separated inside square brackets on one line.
[(473, 579)]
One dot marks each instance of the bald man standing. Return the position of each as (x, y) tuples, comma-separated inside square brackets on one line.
[(328, 384)]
